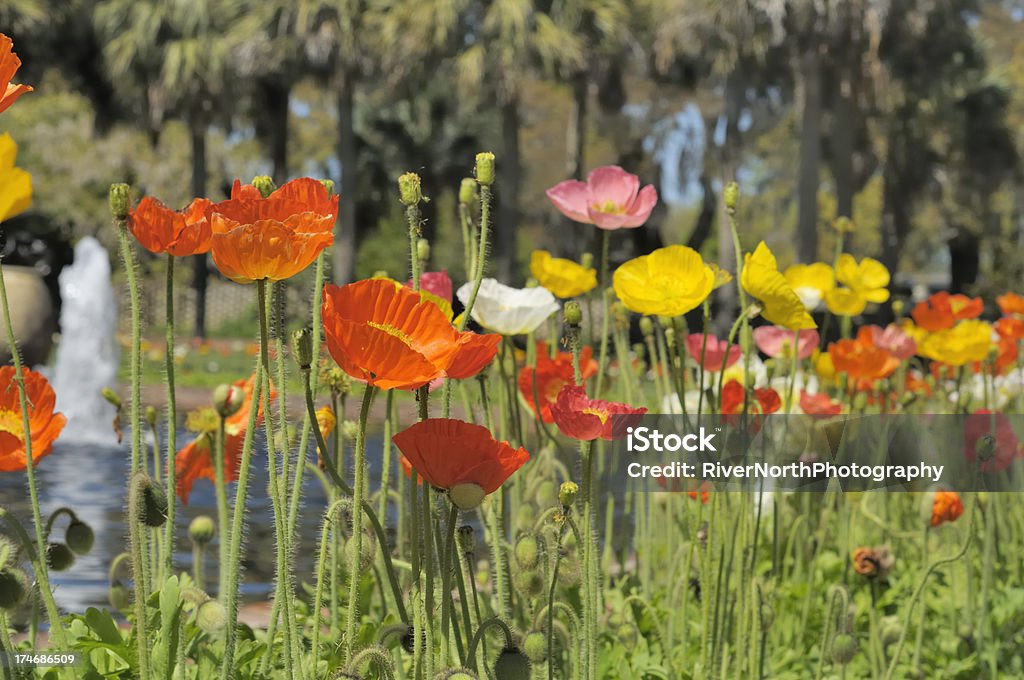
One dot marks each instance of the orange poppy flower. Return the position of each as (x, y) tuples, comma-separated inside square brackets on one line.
[(459, 457), (861, 360), (587, 419), (873, 562), (273, 238), (946, 507), (9, 65), (179, 233), (942, 310), (1010, 327), (552, 376), (44, 425), (195, 460), (819, 404), (765, 401), (387, 335), (1011, 303)]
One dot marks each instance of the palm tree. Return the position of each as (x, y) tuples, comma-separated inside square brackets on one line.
[(169, 54)]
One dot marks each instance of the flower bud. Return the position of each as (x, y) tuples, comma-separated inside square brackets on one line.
[(112, 397), (350, 430), (227, 400), (409, 189), (456, 674), (860, 401), (367, 550), (337, 380), (118, 596), (153, 507), (423, 250), (467, 539), (898, 307), (573, 313), (202, 529), (151, 416), (525, 514), (211, 617), (567, 494), (646, 326), (467, 191), (59, 557), (328, 184), (264, 184), (119, 201), (13, 588), (8, 551), (627, 634), (302, 348), (466, 496), (844, 648), (843, 225), (409, 640), (535, 646), (485, 168), (512, 664), (731, 196), (529, 583), (892, 629), (527, 551), (587, 260), (545, 493), (79, 537)]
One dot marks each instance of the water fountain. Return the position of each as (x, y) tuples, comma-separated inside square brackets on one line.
[(87, 356)]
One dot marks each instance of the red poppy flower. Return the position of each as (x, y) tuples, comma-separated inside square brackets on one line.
[(714, 351), (942, 310), (819, 404), (302, 195), (990, 435), (1011, 303), (1010, 327), (44, 425), (195, 460), (9, 65), (765, 401), (179, 233), (453, 455), (946, 507), (552, 376), (389, 336), (587, 419)]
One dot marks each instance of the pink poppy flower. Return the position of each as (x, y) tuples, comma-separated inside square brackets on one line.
[(990, 435), (714, 351), (893, 340), (775, 341), (611, 198), (435, 283), (582, 418)]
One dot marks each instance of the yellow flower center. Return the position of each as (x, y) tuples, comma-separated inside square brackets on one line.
[(10, 422), (602, 415), (392, 331), (612, 208)]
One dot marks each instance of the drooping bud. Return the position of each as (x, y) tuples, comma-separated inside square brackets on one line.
[(79, 537), (264, 184), (535, 646), (467, 191), (151, 416), (892, 629), (731, 196), (118, 596), (227, 400), (529, 583), (569, 572), (13, 588), (302, 348), (409, 190), (646, 326), (202, 529), (59, 556), (844, 648), (112, 397), (423, 250), (573, 313), (368, 549), (485, 168), (466, 496), (456, 674), (211, 617), (119, 201), (527, 551), (512, 664), (567, 494), (152, 507), (467, 539)]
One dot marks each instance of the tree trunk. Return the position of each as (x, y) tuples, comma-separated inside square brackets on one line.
[(575, 140), (706, 219), (895, 217), (197, 131), (809, 90), (275, 102), (348, 154), (730, 152), (509, 178)]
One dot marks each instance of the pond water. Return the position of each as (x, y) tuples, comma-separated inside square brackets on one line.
[(91, 480)]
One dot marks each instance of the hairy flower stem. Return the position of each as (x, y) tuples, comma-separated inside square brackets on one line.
[(446, 580), (39, 563), (137, 536), (172, 422), (590, 575), (359, 493), (605, 299), (221, 491), (328, 528), (550, 629)]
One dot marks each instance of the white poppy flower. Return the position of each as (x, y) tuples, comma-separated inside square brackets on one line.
[(506, 310)]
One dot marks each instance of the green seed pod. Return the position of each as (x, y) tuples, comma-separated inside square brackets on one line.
[(512, 664), (573, 313), (467, 191), (368, 550), (409, 190), (844, 647), (211, 616), (59, 557), (485, 168), (302, 347), (118, 596), (13, 588), (79, 537), (456, 674), (567, 494), (535, 646), (151, 416), (264, 185), (119, 201), (529, 583), (202, 529), (731, 196), (467, 496), (527, 551)]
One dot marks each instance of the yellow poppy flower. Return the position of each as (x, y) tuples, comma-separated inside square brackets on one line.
[(811, 282), (15, 183), (965, 343), (763, 280), (668, 282), (564, 278), (845, 302), (823, 365), (869, 277)]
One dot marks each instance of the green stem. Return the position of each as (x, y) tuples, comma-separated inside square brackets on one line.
[(172, 422), (446, 579), (355, 566), (220, 488), (137, 535), (330, 517), (603, 353)]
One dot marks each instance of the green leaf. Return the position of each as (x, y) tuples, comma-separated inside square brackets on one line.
[(104, 626)]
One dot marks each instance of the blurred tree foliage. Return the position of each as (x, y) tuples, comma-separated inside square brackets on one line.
[(907, 115)]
